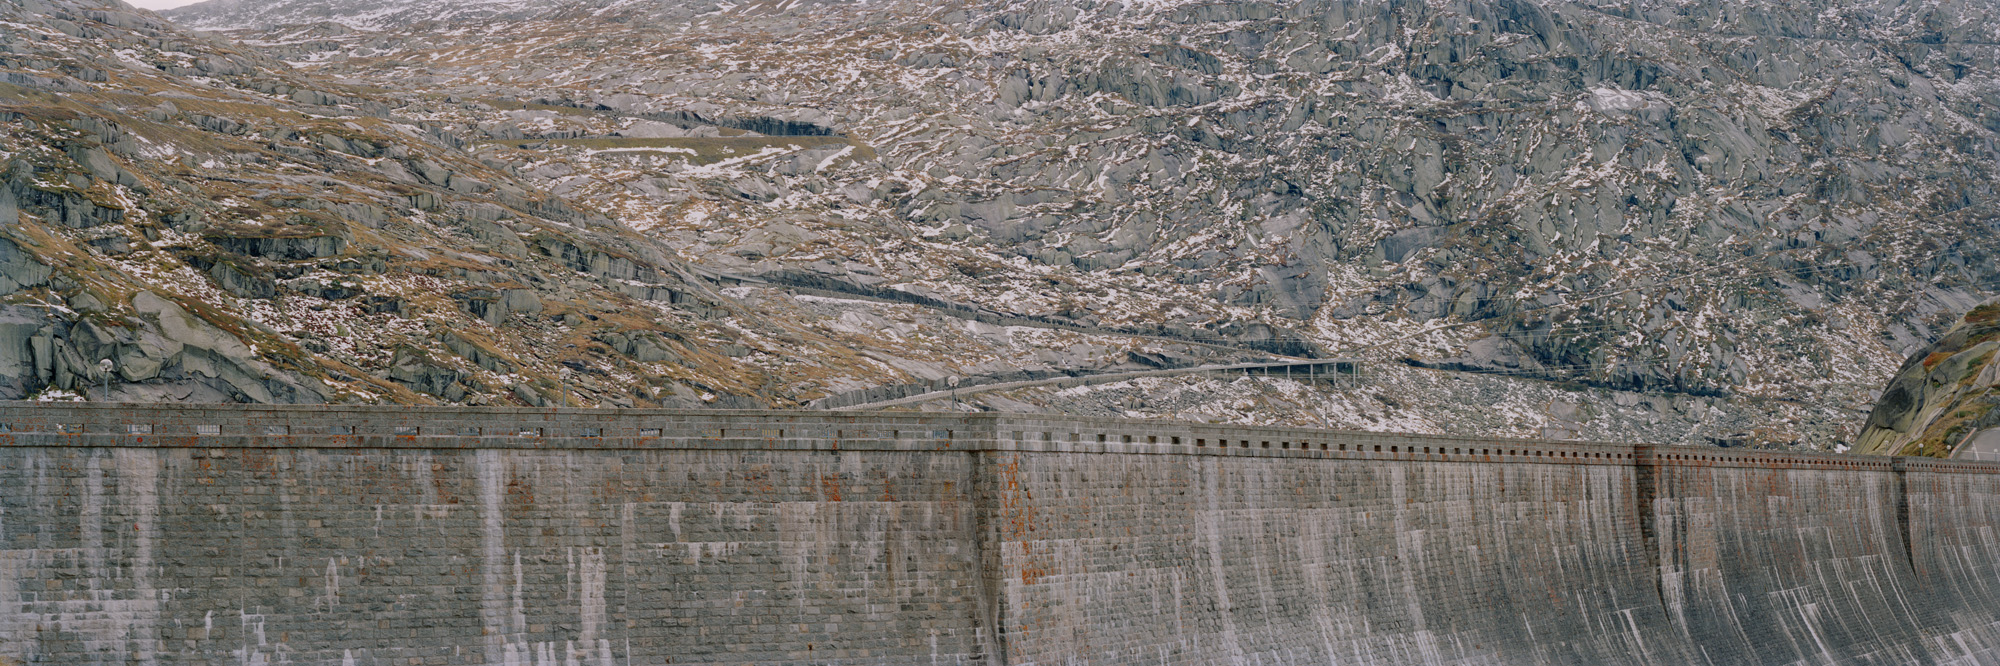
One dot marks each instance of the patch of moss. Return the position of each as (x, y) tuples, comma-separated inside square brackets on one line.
[(1984, 314)]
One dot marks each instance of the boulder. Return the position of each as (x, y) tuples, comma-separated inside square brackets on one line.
[(752, 188), (485, 223), (468, 185), (19, 269), (1944, 394), (19, 368), (528, 396), (182, 329), (597, 261), (99, 164), (652, 129), (66, 207), (415, 369), (243, 283), (203, 354), (642, 346), (476, 353), (494, 306), (281, 248)]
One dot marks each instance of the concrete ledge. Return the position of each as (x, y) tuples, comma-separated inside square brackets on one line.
[(112, 425)]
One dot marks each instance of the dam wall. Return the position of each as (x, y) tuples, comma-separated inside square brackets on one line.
[(173, 534)]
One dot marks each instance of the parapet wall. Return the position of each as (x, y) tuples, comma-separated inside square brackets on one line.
[(364, 535)]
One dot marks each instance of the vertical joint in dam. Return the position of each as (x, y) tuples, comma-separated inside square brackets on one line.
[(988, 489), (1900, 472), (1645, 496)]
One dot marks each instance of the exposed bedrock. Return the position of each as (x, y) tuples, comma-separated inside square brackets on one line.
[(1946, 394), (165, 353)]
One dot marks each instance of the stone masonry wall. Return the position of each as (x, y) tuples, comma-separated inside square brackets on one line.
[(429, 550), (1951, 513), (1208, 560), (1790, 566), (346, 535)]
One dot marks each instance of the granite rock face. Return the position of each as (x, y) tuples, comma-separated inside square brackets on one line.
[(1946, 395), (18, 269), (300, 243)]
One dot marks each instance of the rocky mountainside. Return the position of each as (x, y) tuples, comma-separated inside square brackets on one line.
[(1679, 221), (1945, 396), (195, 221), (192, 220), (352, 14)]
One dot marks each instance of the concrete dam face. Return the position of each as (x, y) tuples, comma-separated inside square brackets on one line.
[(339, 535)]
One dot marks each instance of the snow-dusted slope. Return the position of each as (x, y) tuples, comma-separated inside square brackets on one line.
[(1725, 221), (212, 225), (357, 14), (1768, 201)]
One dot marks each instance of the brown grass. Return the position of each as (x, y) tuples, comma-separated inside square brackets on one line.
[(707, 150)]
